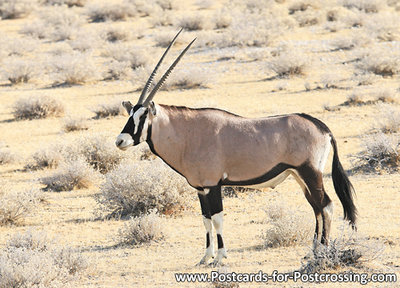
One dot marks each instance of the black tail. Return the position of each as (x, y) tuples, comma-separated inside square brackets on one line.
[(343, 187)]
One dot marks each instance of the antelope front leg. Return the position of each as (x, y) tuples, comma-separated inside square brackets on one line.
[(215, 200), (205, 210)]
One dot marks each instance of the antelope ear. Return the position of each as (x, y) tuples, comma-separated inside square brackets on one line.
[(152, 108), (128, 106)]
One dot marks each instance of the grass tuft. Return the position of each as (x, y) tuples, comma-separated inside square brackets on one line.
[(141, 229), (74, 124), (288, 229), (71, 175), (33, 259), (138, 187), (37, 107)]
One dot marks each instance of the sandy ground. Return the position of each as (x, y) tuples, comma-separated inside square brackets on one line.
[(239, 86)]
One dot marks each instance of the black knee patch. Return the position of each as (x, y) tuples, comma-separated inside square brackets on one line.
[(207, 240), (220, 242)]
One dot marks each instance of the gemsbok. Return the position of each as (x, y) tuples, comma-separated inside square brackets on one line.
[(212, 147)]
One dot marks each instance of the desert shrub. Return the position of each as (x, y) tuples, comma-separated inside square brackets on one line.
[(16, 205), (109, 109), (46, 157), (381, 154), (69, 3), (192, 22), (385, 95), (110, 11), (101, 153), (116, 70), (137, 187), (383, 26), (33, 259), (288, 229), (389, 122), (121, 52), (164, 38), (386, 65), (188, 78), (13, 9), (17, 47), (37, 107), (18, 70), (222, 19), (6, 156), (367, 6), (308, 18), (301, 6), (70, 175), (204, 4), (348, 250), (355, 40), (74, 69), (289, 64), (55, 23), (141, 229), (116, 34), (74, 124)]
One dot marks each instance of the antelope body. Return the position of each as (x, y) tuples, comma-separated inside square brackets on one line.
[(212, 148)]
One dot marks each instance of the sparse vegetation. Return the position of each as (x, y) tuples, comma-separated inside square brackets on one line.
[(188, 78), (13, 9), (6, 156), (192, 22), (124, 53), (110, 11), (74, 124), (289, 64), (74, 69), (349, 250), (109, 110), (18, 70), (367, 6), (381, 154), (383, 61), (69, 3), (142, 229), (287, 229), (70, 175), (136, 188), (16, 205), (37, 107), (33, 259)]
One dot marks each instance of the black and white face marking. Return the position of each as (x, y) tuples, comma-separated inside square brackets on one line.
[(135, 130)]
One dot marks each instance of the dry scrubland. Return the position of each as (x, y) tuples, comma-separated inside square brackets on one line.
[(76, 211)]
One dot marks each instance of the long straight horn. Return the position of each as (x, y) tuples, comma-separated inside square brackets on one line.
[(150, 80), (166, 74)]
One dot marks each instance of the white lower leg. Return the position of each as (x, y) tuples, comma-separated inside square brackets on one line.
[(210, 241), (217, 220)]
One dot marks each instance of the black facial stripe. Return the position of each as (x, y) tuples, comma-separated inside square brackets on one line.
[(129, 127), (136, 137)]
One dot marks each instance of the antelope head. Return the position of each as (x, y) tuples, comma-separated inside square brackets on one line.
[(135, 130)]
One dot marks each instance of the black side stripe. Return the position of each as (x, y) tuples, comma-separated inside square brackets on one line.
[(275, 171)]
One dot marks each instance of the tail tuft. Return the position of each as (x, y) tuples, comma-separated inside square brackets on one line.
[(343, 187)]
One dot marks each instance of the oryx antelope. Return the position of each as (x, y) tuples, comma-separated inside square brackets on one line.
[(212, 148)]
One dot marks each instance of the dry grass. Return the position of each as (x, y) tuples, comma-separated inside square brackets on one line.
[(74, 124), (126, 53), (367, 6), (13, 9), (109, 110), (55, 23), (384, 61), (188, 78), (192, 22), (348, 250), (33, 260), (6, 155), (69, 3), (70, 175), (74, 69), (381, 154), (136, 188), (141, 229), (37, 107), (18, 70), (288, 229), (289, 64), (110, 11), (116, 70), (16, 205), (46, 157)]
